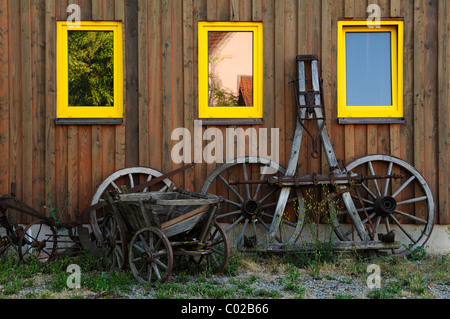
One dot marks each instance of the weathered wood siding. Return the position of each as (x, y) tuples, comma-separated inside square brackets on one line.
[(63, 165)]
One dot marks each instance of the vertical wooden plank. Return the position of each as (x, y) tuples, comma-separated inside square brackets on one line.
[(155, 84), (443, 114), (349, 130), (349, 8), (337, 133), (50, 115), (212, 14), (418, 125), (279, 76), (430, 110), (302, 14), (200, 13), (166, 11), (4, 100), (82, 187), (395, 8), (72, 160), (223, 10), (234, 10), (96, 130), (406, 133), (61, 145), (290, 72), (257, 10), (27, 98), (132, 84), (108, 131), (119, 14), (188, 80), (326, 62), (38, 103), (245, 10), (394, 129), (177, 86), (143, 84)]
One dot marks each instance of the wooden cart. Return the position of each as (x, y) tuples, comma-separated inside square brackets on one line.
[(148, 229)]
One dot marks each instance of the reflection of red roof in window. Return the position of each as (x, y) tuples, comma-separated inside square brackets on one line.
[(245, 90), (214, 38)]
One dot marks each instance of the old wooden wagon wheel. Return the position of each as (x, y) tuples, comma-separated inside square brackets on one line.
[(150, 256), (38, 241), (218, 245), (250, 207), (400, 203), (114, 243), (124, 178)]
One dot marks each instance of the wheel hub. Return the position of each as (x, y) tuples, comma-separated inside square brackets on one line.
[(147, 257), (251, 208), (385, 205)]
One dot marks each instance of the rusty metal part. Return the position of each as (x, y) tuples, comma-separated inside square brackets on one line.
[(315, 179)]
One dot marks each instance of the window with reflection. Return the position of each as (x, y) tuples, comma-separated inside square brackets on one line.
[(370, 69), (230, 70), (90, 70)]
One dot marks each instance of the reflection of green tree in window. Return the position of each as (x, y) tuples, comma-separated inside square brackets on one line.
[(91, 68)]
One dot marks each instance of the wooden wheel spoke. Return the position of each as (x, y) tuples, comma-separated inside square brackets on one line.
[(363, 199), (267, 195), (130, 176), (149, 178), (368, 191), (403, 186), (258, 187), (412, 200), (229, 214), (247, 186), (232, 203), (231, 188), (374, 180), (237, 221), (386, 184), (417, 219), (402, 228)]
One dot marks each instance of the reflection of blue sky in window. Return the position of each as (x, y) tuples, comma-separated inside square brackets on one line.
[(368, 64)]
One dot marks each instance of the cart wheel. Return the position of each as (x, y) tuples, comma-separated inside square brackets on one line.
[(250, 207), (217, 242), (38, 242), (114, 241), (150, 256), (130, 177), (406, 204)]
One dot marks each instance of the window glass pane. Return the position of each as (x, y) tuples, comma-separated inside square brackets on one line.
[(230, 68), (91, 68), (368, 60)]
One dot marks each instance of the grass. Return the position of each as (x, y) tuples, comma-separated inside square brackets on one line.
[(254, 276)]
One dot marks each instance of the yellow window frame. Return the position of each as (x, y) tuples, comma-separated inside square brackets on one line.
[(395, 110), (79, 112), (255, 111)]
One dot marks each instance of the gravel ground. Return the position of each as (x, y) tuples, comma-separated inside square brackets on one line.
[(258, 280)]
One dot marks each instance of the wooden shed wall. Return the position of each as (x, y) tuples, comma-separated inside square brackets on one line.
[(63, 165)]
